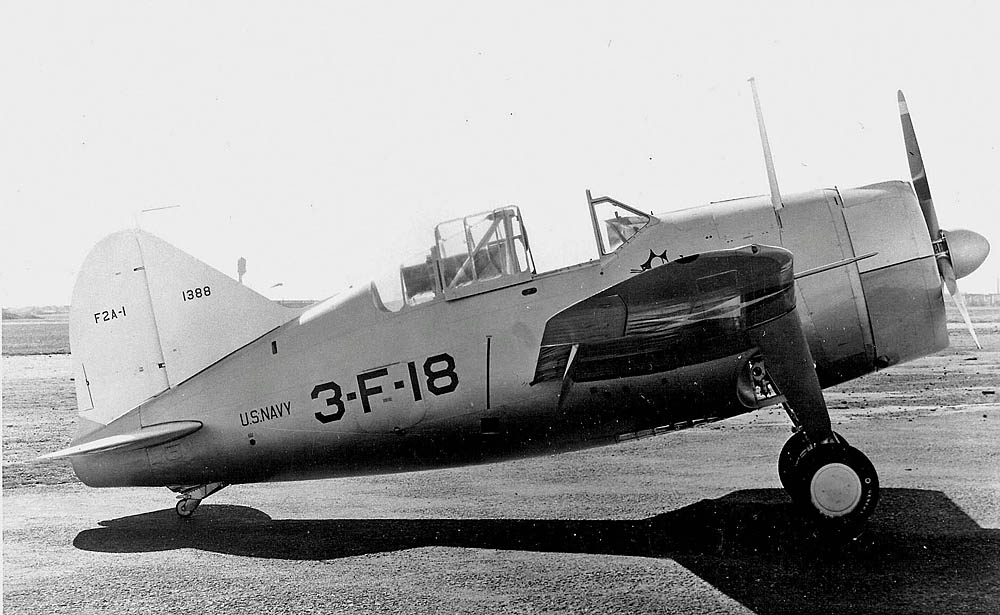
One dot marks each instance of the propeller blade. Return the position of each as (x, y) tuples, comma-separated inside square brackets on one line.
[(970, 248), (959, 300), (917, 172), (948, 273)]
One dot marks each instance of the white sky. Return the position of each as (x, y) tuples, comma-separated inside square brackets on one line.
[(322, 141)]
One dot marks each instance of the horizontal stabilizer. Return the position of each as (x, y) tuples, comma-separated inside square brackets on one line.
[(144, 438)]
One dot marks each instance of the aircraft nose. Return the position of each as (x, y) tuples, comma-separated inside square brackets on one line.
[(968, 250)]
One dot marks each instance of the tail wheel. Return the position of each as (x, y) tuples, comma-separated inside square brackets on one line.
[(837, 484), (186, 506)]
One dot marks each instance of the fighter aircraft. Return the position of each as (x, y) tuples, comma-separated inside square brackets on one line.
[(187, 379)]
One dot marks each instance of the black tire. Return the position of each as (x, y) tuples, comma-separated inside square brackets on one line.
[(186, 507), (789, 456), (837, 485)]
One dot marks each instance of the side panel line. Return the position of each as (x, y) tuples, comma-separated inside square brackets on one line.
[(489, 340), (836, 205)]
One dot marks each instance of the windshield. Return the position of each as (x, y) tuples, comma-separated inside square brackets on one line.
[(614, 223)]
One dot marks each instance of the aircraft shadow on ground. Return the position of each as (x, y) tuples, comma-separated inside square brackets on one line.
[(920, 551)]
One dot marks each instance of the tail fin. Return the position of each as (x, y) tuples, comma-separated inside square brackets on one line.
[(145, 316)]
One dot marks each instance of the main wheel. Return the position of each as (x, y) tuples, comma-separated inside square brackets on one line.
[(790, 454), (837, 485)]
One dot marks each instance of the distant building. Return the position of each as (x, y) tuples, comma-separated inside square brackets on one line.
[(980, 300)]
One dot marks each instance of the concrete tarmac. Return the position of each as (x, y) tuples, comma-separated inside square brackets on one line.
[(692, 521)]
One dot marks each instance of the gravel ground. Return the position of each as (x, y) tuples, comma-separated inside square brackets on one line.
[(693, 521)]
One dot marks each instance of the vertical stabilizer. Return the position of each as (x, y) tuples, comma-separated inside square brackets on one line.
[(145, 316)]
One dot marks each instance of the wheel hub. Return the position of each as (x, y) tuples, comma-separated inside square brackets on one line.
[(835, 490)]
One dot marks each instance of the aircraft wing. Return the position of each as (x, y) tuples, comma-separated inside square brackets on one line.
[(143, 438), (684, 312)]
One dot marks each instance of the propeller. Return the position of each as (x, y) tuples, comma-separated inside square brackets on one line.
[(958, 252)]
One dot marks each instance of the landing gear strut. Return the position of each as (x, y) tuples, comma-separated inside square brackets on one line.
[(833, 482), (191, 496)]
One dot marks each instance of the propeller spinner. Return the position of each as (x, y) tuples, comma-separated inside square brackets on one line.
[(958, 252)]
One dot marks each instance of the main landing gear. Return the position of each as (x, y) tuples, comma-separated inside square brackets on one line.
[(833, 482), (191, 496)]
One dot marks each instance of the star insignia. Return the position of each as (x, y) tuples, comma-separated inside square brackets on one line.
[(649, 261)]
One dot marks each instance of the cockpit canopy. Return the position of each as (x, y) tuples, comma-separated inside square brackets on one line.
[(490, 250), (471, 255), (487, 247)]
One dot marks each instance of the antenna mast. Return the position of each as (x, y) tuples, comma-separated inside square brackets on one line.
[(772, 178)]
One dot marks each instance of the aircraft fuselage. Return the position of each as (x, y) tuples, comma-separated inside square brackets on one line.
[(351, 388)]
